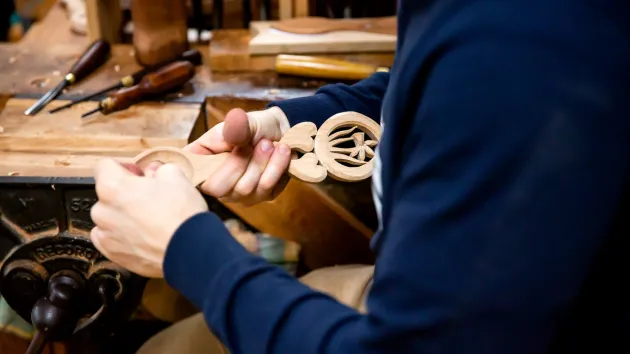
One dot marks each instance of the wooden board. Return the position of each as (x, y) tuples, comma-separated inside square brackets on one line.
[(229, 53), (37, 164), (266, 40), (124, 133)]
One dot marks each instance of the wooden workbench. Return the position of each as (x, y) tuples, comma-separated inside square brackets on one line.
[(334, 227)]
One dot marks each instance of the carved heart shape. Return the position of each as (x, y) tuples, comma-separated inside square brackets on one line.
[(307, 169), (300, 137)]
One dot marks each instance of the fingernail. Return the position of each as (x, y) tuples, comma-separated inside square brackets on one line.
[(265, 145), (284, 149)]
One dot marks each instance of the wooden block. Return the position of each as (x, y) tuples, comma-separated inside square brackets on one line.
[(285, 9), (229, 52), (104, 20), (300, 8), (328, 233), (266, 40), (124, 133)]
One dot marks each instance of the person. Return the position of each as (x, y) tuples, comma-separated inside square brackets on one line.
[(500, 183)]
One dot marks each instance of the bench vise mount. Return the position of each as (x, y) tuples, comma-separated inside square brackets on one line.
[(51, 274)]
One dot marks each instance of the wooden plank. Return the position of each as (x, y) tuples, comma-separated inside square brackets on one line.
[(104, 20), (285, 9), (52, 30), (301, 8), (124, 133), (229, 53), (328, 232), (266, 40), (39, 164)]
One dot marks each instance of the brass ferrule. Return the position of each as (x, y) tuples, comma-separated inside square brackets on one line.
[(127, 81), (70, 78)]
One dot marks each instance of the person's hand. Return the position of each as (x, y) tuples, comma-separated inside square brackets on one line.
[(136, 216), (255, 170)]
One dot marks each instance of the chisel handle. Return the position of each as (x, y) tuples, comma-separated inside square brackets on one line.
[(156, 83), (93, 57), (323, 68), (192, 55)]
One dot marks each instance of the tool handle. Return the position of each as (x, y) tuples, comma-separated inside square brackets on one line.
[(96, 54), (161, 81), (325, 68), (193, 56), (167, 78)]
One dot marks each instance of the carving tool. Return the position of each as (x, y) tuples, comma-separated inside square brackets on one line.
[(319, 67), (153, 84), (193, 56), (96, 54), (318, 25)]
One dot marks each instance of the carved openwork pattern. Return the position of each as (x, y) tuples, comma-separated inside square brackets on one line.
[(357, 155)]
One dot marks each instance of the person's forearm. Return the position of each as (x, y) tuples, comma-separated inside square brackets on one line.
[(364, 97)]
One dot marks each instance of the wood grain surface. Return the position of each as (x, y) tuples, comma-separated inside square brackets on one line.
[(229, 52), (124, 133), (266, 40)]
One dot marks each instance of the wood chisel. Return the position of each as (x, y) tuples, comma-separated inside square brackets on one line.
[(324, 68), (96, 54), (151, 85), (193, 56)]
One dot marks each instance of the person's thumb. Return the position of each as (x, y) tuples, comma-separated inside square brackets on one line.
[(237, 129), (243, 129)]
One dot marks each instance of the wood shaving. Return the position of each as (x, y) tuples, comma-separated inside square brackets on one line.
[(13, 173), (12, 60), (62, 163), (116, 68)]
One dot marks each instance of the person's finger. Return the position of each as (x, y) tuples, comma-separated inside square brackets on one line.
[(133, 168), (277, 166), (170, 172), (238, 130), (104, 216), (248, 182), (101, 240), (223, 180), (149, 171), (109, 177), (211, 142)]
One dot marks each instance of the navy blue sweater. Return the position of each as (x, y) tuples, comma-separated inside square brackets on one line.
[(501, 191)]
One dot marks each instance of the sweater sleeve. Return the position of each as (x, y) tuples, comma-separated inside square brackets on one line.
[(365, 97), (495, 215)]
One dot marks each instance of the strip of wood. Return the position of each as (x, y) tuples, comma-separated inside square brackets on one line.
[(124, 133), (229, 52)]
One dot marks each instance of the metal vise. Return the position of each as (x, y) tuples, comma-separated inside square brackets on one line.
[(50, 272)]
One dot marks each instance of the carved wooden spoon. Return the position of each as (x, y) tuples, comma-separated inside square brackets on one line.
[(197, 168), (311, 167), (318, 25)]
